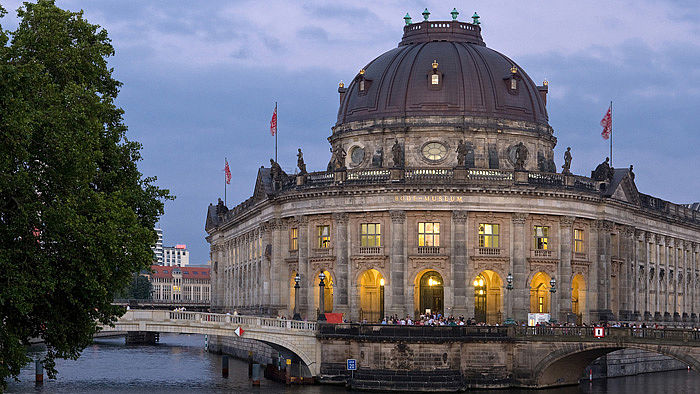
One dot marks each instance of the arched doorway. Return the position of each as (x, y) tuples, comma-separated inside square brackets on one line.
[(539, 293), (578, 297), (327, 292), (431, 293), (371, 284), (488, 297)]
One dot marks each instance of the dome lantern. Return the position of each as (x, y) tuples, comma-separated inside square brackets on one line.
[(475, 19)]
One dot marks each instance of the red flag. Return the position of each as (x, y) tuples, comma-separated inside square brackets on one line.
[(273, 122), (227, 170), (606, 122)]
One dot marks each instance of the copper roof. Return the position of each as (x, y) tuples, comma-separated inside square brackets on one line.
[(474, 79)]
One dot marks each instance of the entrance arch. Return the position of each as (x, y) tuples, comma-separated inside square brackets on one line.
[(371, 284), (539, 293), (327, 292), (431, 293), (578, 297), (488, 297)]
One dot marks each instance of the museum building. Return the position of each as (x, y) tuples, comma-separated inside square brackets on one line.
[(442, 195)]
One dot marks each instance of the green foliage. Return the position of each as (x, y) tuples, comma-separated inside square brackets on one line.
[(138, 289), (76, 215)]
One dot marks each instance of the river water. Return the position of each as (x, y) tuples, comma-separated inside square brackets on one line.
[(179, 364)]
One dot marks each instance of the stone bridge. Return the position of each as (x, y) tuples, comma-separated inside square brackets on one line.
[(298, 337), (429, 358)]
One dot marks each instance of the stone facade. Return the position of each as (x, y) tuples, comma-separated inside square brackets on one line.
[(403, 224)]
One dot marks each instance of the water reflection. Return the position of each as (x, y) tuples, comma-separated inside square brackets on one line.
[(179, 364)]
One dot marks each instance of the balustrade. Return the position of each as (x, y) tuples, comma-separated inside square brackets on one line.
[(488, 252), (428, 250)]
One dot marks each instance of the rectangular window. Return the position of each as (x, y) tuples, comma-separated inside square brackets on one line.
[(324, 236), (578, 241), (370, 234), (541, 237), (435, 79), (488, 235), (540, 304), (294, 238), (428, 234)]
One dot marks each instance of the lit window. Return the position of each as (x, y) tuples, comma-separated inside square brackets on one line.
[(324, 237), (513, 84), (578, 241), (293, 238), (370, 234), (540, 304), (428, 234), (541, 237), (435, 79), (362, 85), (488, 235)]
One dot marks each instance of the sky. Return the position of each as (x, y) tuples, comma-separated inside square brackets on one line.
[(201, 80)]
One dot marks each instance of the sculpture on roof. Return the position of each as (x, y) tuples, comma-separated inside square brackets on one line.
[(338, 158), (520, 156), (567, 162), (603, 172), (300, 163), (397, 153), (461, 154)]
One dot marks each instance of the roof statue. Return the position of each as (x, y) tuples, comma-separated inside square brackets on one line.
[(461, 154), (603, 172), (300, 163), (338, 158), (520, 156), (397, 154), (567, 162)]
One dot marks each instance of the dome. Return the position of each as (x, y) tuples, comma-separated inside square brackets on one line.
[(473, 80)]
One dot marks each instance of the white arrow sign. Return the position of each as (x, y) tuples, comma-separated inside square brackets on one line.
[(238, 331)]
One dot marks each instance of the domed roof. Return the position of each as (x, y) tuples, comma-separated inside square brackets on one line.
[(473, 79)]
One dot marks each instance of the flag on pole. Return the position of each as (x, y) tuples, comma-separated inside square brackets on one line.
[(273, 122), (227, 170), (606, 122)]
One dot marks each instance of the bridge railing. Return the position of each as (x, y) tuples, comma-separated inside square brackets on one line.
[(217, 318), (413, 332), (659, 334)]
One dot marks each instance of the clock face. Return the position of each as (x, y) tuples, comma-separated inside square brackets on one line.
[(434, 151), (357, 155)]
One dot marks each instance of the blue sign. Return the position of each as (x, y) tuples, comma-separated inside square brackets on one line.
[(352, 364)]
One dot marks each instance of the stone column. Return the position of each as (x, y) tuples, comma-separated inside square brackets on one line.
[(565, 274), (521, 287), (342, 282), (694, 281), (627, 246), (396, 302), (278, 270), (602, 267), (305, 308), (459, 262), (658, 313)]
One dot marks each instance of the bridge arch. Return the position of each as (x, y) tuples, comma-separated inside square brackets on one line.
[(298, 337), (566, 365)]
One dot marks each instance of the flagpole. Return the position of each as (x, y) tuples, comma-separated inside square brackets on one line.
[(611, 135), (276, 132), (226, 161)]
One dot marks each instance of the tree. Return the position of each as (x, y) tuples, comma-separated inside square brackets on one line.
[(76, 215), (139, 289)]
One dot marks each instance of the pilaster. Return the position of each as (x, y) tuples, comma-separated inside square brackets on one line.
[(521, 287), (565, 275), (340, 292), (396, 302), (459, 262)]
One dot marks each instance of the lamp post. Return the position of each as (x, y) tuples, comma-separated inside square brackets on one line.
[(509, 320), (553, 290), (297, 279), (321, 306)]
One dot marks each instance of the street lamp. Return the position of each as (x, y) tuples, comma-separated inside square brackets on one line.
[(321, 306), (297, 278), (509, 320), (552, 289)]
